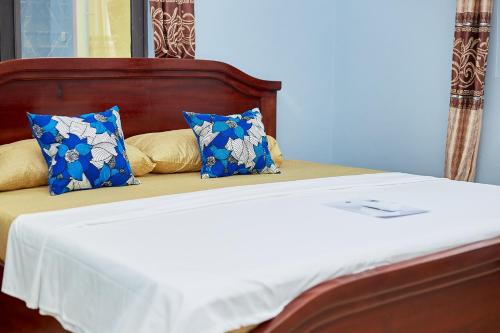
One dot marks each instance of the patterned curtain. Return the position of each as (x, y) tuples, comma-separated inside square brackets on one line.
[(173, 26), (472, 31)]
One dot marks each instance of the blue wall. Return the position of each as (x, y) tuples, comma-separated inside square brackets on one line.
[(489, 153), (281, 40), (392, 83), (366, 83), (393, 67)]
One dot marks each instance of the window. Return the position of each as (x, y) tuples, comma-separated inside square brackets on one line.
[(73, 28)]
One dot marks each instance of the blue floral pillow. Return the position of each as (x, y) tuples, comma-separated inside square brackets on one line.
[(83, 152), (230, 145)]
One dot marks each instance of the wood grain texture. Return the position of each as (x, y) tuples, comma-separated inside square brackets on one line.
[(151, 93)]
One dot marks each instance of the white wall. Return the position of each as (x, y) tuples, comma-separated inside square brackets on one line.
[(489, 151), (392, 86), (365, 83), (393, 66), (284, 40)]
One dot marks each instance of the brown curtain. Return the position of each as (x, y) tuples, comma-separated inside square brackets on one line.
[(173, 27), (472, 31)]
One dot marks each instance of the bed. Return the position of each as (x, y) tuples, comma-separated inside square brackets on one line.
[(451, 290)]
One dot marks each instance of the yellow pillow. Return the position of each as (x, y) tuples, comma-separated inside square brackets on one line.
[(275, 151), (178, 151), (140, 163), (22, 166), (172, 151)]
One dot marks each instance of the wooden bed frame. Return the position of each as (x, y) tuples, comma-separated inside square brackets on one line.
[(455, 291)]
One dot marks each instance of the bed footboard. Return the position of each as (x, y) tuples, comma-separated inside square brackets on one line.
[(453, 291), (15, 317)]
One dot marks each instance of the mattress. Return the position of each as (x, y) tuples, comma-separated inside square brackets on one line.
[(33, 200), (221, 259)]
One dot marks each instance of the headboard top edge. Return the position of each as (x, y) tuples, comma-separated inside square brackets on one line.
[(37, 66)]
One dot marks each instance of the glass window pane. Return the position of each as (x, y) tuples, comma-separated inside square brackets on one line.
[(75, 28)]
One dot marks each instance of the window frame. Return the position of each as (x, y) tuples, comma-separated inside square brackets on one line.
[(139, 11), (7, 30), (10, 29)]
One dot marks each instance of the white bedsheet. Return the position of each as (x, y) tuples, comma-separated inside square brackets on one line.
[(216, 260)]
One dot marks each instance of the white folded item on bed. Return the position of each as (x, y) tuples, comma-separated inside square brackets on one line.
[(213, 261)]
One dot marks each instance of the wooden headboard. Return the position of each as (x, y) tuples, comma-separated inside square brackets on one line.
[(151, 93)]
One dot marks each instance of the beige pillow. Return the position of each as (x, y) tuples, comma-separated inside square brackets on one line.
[(172, 151), (140, 163), (275, 151), (178, 151), (22, 166)]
